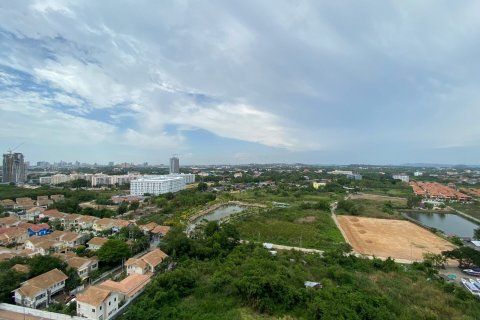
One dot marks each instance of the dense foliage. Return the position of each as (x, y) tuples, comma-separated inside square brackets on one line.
[(217, 278)]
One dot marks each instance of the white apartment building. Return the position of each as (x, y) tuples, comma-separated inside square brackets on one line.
[(189, 177), (401, 177), (156, 185)]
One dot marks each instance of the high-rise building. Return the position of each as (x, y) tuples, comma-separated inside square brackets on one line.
[(13, 168), (174, 165)]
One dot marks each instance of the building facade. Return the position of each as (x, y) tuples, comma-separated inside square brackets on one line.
[(156, 185), (13, 168), (174, 165)]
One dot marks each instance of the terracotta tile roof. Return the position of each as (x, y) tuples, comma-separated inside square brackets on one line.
[(8, 220), (34, 227), (136, 262), (94, 295), (6, 256), (119, 223), (149, 227), (54, 213), (42, 282), (128, 286), (97, 241), (23, 268), (78, 262), (70, 236), (161, 230), (86, 219), (35, 209), (105, 222), (154, 258)]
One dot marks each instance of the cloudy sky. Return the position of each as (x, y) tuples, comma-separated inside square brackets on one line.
[(381, 82)]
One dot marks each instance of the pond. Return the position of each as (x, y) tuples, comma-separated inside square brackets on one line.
[(449, 223), (217, 214)]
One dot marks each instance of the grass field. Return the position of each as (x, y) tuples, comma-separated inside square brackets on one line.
[(472, 209), (374, 209), (292, 227)]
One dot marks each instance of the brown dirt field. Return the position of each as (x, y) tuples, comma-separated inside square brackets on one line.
[(308, 219), (384, 238), (376, 197)]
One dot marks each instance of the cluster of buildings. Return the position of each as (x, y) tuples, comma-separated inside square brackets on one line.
[(438, 192), (97, 179), (29, 205)]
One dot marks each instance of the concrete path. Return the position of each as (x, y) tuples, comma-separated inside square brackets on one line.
[(282, 247)]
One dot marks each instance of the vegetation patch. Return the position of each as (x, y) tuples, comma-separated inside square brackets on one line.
[(293, 226)]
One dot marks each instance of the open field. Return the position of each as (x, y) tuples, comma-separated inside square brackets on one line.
[(377, 197), (471, 209), (390, 238), (292, 227), (373, 209)]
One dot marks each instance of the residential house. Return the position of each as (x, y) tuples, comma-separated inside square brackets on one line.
[(24, 203), (4, 256), (7, 203), (86, 222), (96, 243), (52, 215), (146, 263), (43, 201), (146, 228), (40, 229), (14, 235), (38, 291), (83, 266), (70, 221), (72, 239), (32, 214), (103, 224), (43, 245), (8, 222), (97, 303), (128, 288), (119, 224), (160, 231)]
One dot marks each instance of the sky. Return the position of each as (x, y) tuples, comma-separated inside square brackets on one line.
[(231, 82)]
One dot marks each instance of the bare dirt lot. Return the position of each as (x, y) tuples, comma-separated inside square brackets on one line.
[(384, 238), (376, 197)]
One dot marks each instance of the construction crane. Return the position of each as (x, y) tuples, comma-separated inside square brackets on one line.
[(13, 149)]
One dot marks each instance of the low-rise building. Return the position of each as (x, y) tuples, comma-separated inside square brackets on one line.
[(84, 266), (401, 177), (146, 263), (86, 222), (41, 229), (97, 303), (57, 197), (96, 243), (13, 235), (38, 291), (33, 213), (52, 215), (8, 222), (43, 201), (156, 185)]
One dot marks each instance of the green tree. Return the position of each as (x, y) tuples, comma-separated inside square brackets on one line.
[(413, 201), (466, 256), (122, 208), (134, 205), (202, 186), (114, 251), (476, 234)]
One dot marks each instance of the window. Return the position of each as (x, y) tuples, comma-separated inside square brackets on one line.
[(100, 307), (115, 299), (93, 310), (109, 303)]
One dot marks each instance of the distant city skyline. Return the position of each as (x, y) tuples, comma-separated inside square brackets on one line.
[(217, 82)]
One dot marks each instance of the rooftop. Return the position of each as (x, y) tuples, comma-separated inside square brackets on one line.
[(42, 282), (94, 295)]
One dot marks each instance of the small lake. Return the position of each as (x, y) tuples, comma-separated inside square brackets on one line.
[(216, 215), (448, 223)]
